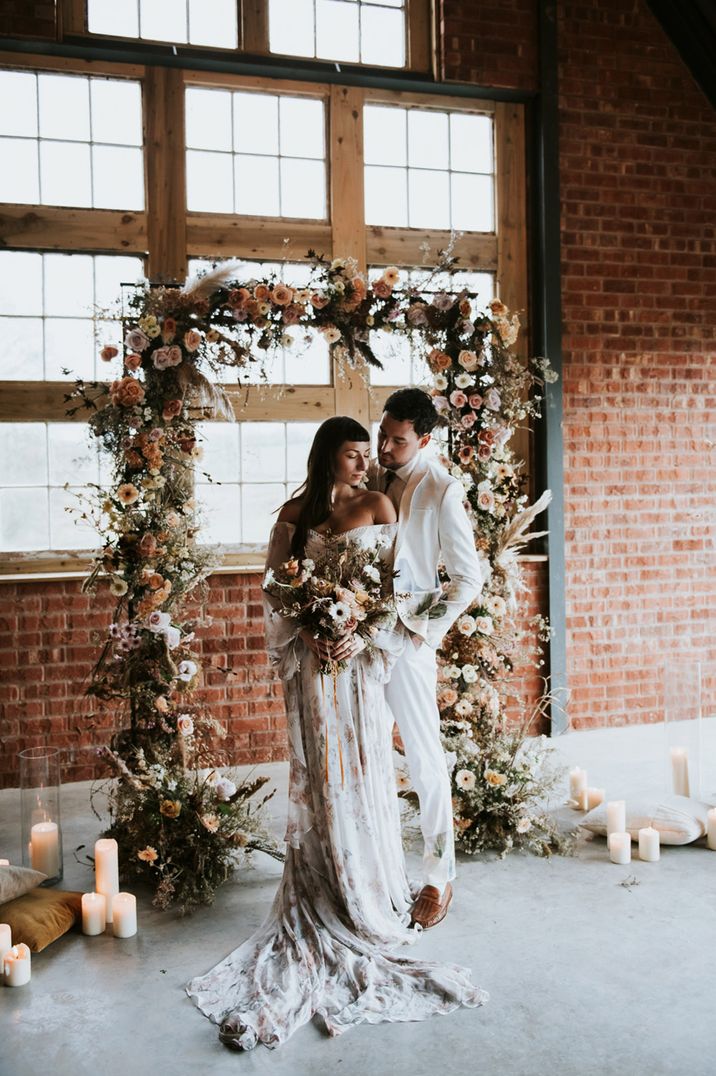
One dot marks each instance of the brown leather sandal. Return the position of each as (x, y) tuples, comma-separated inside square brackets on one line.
[(430, 908)]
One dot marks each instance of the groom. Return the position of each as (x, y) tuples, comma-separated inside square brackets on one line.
[(432, 526)]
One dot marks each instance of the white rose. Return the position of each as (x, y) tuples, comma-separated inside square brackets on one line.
[(158, 622), (187, 671), (465, 779), (484, 625), (173, 637), (372, 572), (185, 725), (440, 382), (466, 625), (462, 381), (469, 674), (451, 672), (224, 789)]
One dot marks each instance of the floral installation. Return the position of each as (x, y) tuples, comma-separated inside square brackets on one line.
[(175, 340), (348, 588)]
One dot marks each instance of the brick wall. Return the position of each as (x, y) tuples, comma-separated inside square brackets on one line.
[(638, 170)]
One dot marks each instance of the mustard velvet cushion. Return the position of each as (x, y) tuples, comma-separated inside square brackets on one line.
[(42, 916), (14, 881)]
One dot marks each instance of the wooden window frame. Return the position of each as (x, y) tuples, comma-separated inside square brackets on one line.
[(253, 36), (167, 235)]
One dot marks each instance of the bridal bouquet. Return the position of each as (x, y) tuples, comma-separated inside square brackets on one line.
[(347, 589)]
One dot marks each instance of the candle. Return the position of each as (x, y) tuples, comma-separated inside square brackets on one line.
[(616, 817), (581, 803), (649, 844), (106, 866), (17, 966), (577, 785), (124, 915), (94, 913), (619, 847), (45, 848), (680, 770), (5, 939), (711, 829), (595, 796), (4, 862)]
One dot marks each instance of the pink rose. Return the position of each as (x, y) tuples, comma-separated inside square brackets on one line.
[(468, 420), (192, 339), (484, 452), (171, 409), (475, 401), (458, 398), (167, 356), (133, 362), (136, 340), (382, 289), (492, 400)]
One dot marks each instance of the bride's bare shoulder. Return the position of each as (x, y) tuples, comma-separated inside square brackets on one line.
[(290, 511), (381, 507)]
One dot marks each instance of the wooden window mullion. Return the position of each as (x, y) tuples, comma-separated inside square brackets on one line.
[(254, 24), (165, 169)]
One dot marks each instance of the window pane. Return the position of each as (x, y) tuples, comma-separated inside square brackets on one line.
[(67, 529), (21, 355), (429, 194), (23, 454), (291, 27), (69, 344), (65, 171), (259, 504), (69, 284), (220, 441), (18, 103), (116, 111), (221, 514), (385, 135), (111, 272), (394, 353), (24, 521), (109, 17), (71, 453), (208, 119), (263, 451), (386, 197), (303, 188), (471, 143), (308, 364), (337, 35), (299, 438), (20, 282), (64, 107), (472, 202), (19, 176), (163, 20), (255, 123), (213, 22), (118, 177), (301, 127), (257, 188), (209, 181), (428, 142), (382, 37)]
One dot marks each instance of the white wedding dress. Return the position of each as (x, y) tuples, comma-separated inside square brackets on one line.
[(328, 946)]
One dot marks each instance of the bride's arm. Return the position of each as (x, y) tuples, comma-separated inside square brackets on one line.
[(281, 632)]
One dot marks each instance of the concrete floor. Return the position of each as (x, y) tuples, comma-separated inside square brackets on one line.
[(587, 976)]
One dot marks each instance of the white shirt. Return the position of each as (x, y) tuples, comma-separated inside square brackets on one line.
[(397, 486)]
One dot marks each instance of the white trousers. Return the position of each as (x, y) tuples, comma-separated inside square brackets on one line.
[(411, 695)]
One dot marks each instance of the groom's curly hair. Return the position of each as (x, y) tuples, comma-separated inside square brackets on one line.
[(413, 405)]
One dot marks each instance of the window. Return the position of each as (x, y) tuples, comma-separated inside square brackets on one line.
[(48, 308), (70, 140), (195, 22), (426, 168), (255, 153), (353, 31)]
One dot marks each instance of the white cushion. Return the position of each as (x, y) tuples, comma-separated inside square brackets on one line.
[(16, 881), (679, 819)]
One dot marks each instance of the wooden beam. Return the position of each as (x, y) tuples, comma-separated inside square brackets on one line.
[(262, 84), (165, 164), (268, 239), (405, 246), (70, 65), (418, 14), (347, 203), (376, 95), (254, 24), (71, 17), (49, 227)]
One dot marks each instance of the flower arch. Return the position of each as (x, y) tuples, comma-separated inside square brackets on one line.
[(176, 826)]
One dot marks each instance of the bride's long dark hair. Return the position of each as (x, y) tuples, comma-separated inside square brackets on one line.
[(315, 493)]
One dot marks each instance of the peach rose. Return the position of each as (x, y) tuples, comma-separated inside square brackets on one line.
[(133, 361), (458, 398), (108, 353), (282, 295), (382, 289), (192, 339), (238, 297), (185, 725), (261, 292), (466, 453), (438, 360), (171, 409), (147, 545), (475, 401), (319, 301), (169, 330), (484, 452), (134, 460), (468, 420), (128, 392), (161, 703), (448, 697), (155, 581), (468, 360)]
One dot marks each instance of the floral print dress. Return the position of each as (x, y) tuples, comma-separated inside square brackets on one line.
[(330, 946)]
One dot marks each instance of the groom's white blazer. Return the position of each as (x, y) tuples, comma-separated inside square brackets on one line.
[(433, 526)]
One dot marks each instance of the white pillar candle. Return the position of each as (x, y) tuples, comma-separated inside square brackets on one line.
[(619, 847), (5, 939), (595, 796), (17, 966), (649, 844), (680, 771), (711, 829), (45, 848), (616, 817), (577, 785), (124, 915), (94, 913), (581, 803), (106, 867)]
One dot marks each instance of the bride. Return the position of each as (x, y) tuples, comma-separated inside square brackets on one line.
[(328, 946)]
